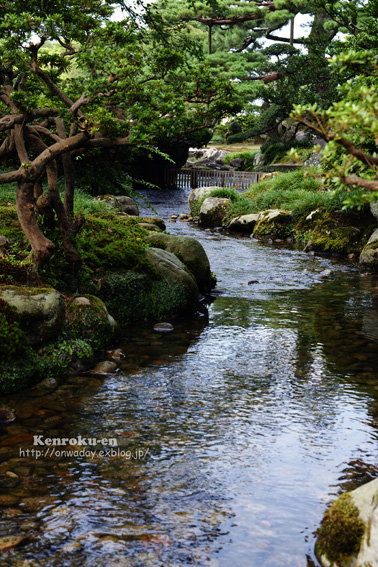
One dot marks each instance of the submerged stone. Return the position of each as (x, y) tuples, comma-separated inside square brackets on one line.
[(163, 327), (6, 417)]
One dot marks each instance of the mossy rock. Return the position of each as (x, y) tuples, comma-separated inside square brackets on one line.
[(192, 255), (53, 359), (172, 269), (369, 254), (273, 223), (40, 311), (340, 534), (333, 232), (198, 194), (348, 535), (132, 296), (87, 318), (213, 211), (152, 220)]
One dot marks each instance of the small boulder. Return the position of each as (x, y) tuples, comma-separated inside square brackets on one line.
[(105, 367), (87, 318), (213, 211), (40, 311), (163, 328), (272, 224), (374, 209), (127, 205), (244, 223), (237, 163), (154, 221), (369, 254), (121, 203)]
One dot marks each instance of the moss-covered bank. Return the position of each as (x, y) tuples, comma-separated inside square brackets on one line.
[(118, 279), (310, 216)]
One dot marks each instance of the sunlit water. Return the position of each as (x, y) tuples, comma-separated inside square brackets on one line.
[(236, 429)]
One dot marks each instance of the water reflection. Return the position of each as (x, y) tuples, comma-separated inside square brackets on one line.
[(248, 422)]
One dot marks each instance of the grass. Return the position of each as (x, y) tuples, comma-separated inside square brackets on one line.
[(292, 191)]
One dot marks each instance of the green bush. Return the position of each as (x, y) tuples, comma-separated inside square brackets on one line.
[(246, 156)]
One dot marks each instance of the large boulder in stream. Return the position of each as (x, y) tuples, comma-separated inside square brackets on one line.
[(174, 271), (213, 211), (348, 535), (40, 311), (192, 255), (198, 194)]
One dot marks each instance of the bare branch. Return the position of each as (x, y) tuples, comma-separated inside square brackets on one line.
[(266, 78), (351, 149), (369, 184), (82, 100)]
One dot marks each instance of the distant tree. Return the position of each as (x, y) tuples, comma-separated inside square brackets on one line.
[(351, 124)]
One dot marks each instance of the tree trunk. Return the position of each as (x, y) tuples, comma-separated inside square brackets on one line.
[(42, 247), (69, 172)]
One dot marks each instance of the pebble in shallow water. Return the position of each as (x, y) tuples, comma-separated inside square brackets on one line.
[(163, 327)]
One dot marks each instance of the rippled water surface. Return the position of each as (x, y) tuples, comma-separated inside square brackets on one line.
[(234, 431)]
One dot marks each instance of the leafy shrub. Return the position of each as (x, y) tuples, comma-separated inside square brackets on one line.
[(246, 156)]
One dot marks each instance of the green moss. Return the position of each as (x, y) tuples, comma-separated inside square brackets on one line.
[(277, 227), (131, 296), (53, 360), (11, 228), (12, 338), (333, 231), (246, 156), (89, 321), (341, 530)]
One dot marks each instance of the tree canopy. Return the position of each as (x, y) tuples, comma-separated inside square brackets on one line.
[(71, 79)]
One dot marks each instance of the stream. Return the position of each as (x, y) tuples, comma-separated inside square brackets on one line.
[(233, 432)]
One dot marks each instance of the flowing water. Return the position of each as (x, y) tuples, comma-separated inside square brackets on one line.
[(233, 432)]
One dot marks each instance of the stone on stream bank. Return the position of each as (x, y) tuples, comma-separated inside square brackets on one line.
[(87, 318), (40, 311), (348, 535), (272, 223), (369, 254), (244, 223), (197, 194), (183, 286), (121, 203), (192, 255)]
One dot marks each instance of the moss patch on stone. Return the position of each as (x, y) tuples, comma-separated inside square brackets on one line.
[(12, 338), (53, 360), (341, 531), (131, 297), (87, 318), (332, 231)]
